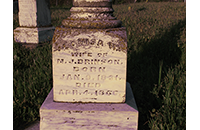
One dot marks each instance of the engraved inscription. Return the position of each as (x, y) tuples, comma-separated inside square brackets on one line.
[(86, 43), (90, 61), (80, 54), (88, 92), (90, 67), (88, 77), (89, 85)]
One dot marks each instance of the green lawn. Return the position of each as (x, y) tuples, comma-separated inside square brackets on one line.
[(156, 65)]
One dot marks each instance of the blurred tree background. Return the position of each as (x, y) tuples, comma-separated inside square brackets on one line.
[(69, 2)]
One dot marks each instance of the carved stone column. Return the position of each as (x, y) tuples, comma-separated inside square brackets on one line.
[(92, 14)]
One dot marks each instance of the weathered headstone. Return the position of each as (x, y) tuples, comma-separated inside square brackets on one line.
[(89, 60), (89, 55), (34, 21)]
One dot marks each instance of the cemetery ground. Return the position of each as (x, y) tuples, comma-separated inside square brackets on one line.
[(156, 65)]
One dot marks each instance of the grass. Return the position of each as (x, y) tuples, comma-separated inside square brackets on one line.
[(156, 67)]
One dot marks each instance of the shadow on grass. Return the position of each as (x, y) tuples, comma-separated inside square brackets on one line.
[(141, 9), (32, 81), (143, 68)]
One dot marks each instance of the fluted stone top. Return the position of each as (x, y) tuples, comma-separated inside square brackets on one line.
[(92, 3), (91, 14)]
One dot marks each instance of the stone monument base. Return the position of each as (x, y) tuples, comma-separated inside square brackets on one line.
[(89, 116), (33, 35)]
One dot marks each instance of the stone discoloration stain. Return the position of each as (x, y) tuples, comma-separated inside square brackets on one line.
[(91, 10), (91, 15), (62, 33), (92, 3), (91, 24)]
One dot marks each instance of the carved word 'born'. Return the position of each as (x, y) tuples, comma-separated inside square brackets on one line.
[(91, 69)]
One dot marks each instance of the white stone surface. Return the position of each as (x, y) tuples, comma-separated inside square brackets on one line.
[(89, 116), (33, 35), (34, 13), (89, 66)]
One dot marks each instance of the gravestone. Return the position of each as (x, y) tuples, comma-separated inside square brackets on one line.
[(89, 55), (34, 21)]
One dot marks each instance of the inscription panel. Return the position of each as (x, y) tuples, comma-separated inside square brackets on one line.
[(89, 68)]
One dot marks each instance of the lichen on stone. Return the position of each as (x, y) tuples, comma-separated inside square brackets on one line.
[(60, 40)]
